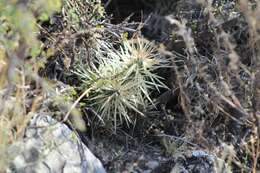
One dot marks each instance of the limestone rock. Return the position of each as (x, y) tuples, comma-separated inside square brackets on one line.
[(51, 147)]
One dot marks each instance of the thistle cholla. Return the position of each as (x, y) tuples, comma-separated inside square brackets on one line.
[(121, 80)]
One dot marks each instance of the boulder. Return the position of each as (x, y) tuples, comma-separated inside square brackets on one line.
[(51, 147)]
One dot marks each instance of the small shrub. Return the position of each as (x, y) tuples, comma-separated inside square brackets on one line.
[(123, 79)]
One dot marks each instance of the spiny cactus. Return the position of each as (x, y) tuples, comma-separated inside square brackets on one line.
[(122, 80)]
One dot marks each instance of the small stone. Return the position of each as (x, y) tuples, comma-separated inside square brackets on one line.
[(147, 171), (152, 164)]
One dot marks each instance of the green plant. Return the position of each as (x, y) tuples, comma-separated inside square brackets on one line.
[(120, 81), (79, 11), (18, 23)]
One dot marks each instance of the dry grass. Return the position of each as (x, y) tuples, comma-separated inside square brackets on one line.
[(224, 82)]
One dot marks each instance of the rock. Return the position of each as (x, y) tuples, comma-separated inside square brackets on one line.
[(189, 161), (196, 161), (51, 147), (152, 164)]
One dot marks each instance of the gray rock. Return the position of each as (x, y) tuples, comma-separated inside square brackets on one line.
[(51, 147), (152, 164), (147, 171)]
